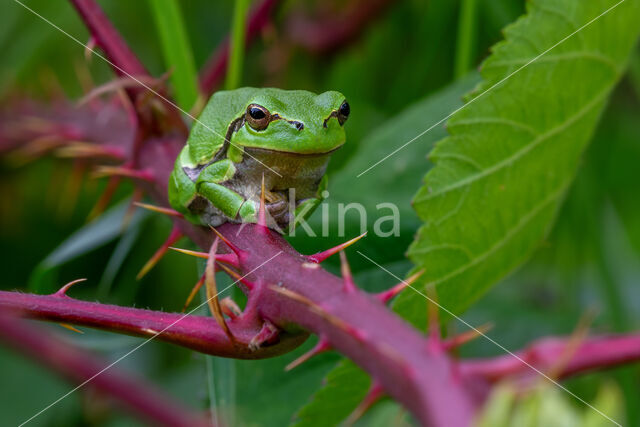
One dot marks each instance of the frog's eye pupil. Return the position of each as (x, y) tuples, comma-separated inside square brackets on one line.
[(343, 112), (345, 109), (258, 117), (257, 114)]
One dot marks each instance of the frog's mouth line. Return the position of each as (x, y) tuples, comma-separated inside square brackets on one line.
[(259, 150)]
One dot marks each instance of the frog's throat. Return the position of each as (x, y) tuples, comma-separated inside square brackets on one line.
[(253, 152)]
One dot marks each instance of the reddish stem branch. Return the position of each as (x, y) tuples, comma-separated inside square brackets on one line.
[(195, 332), (108, 39), (592, 354), (138, 397)]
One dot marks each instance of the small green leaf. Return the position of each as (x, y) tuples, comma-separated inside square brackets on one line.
[(177, 51), (236, 57), (346, 386)]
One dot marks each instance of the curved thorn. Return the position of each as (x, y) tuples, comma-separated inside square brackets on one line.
[(322, 346), (318, 310), (262, 220), (230, 308), (349, 286), (62, 292), (71, 328), (463, 338), (105, 198), (191, 253), (387, 295), (122, 171), (174, 236), (165, 211), (84, 150), (137, 195), (239, 252), (193, 293), (321, 256), (237, 277), (230, 259), (212, 291), (373, 396), (434, 341), (267, 334)]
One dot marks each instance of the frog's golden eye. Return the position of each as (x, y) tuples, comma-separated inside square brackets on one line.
[(257, 116), (343, 112)]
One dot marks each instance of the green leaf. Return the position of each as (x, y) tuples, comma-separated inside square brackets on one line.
[(346, 386), (177, 51), (514, 149)]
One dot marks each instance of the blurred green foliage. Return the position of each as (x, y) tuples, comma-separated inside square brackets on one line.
[(405, 67)]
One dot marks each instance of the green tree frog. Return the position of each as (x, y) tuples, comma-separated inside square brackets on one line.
[(246, 135)]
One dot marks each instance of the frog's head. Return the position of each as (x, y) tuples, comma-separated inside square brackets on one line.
[(292, 121)]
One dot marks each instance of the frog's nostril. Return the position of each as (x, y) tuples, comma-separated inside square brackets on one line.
[(298, 125)]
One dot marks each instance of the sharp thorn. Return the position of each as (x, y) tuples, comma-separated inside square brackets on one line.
[(71, 328), (62, 292), (239, 252), (193, 293), (433, 315), (321, 346), (191, 253), (230, 308), (89, 48), (84, 150), (138, 193), (465, 337), (320, 311), (122, 171), (230, 259), (105, 198), (237, 277), (174, 236), (262, 220), (321, 256), (72, 189), (349, 286), (576, 339), (386, 296), (373, 396), (212, 291), (268, 333), (165, 211)]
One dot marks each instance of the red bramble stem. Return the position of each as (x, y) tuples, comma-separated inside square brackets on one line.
[(134, 394)]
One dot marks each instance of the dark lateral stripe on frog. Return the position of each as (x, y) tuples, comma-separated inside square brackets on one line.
[(236, 125)]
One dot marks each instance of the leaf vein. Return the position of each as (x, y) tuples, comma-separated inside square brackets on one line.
[(523, 151)]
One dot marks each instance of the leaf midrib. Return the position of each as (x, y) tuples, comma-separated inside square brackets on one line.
[(524, 150)]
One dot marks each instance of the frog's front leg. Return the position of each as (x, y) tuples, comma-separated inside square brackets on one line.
[(229, 202), (306, 207)]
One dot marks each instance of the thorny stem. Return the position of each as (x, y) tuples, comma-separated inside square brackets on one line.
[(195, 332), (135, 395), (292, 293)]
